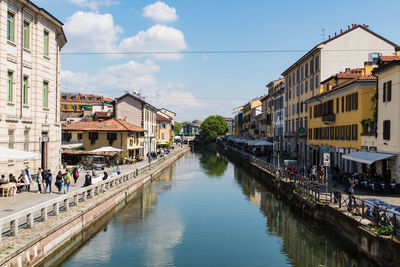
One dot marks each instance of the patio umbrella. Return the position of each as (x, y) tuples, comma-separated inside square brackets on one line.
[(13, 154), (107, 149)]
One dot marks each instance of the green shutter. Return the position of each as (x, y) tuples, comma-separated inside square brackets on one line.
[(45, 94), (25, 90), (46, 44), (10, 87), (10, 26), (26, 34)]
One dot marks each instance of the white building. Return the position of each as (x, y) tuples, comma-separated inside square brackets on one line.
[(30, 44)]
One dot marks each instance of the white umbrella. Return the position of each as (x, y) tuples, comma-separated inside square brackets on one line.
[(107, 149), (13, 154)]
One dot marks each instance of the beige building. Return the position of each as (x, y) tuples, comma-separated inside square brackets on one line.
[(164, 129), (114, 132), (381, 134), (347, 50), (30, 42), (135, 110)]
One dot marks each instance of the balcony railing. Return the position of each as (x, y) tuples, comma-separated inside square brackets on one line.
[(328, 119), (369, 129)]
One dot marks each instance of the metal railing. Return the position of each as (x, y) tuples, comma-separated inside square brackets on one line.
[(379, 216), (25, 219)]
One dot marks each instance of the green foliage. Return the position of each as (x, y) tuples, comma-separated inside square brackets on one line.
[(384, 230), (177, 127), (212, 127), (212, 164)]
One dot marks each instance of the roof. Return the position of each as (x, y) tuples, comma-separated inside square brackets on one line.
[(352, 28), (137, 98), (115, 125), (389, 58), (386, 62), (103, 114), (161, 117), (349, 74), (364, 78), (68, 98)]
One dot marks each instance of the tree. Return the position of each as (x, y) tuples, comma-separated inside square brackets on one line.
[(177, 127), (212, 127)]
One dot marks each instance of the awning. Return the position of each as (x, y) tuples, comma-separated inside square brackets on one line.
[(263, 143), (107, 149), (12, 154), (366, 157)]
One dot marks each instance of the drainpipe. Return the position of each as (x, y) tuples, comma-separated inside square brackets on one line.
[(57, 69), (22, 61)]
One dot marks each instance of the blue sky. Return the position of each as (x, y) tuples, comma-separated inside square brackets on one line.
[(198, 85)]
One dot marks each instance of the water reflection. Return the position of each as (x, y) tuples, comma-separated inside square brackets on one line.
[(213, 164), (304, 243)]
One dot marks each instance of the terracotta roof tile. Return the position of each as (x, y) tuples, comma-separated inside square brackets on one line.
[(108, 125), (389, 58), (162, 117)]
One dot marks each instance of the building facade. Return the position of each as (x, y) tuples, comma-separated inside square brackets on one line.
[(31, 41), (86, 104), (278, 90), (164, 129), (346, 50)]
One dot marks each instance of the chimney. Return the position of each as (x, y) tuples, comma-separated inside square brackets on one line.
[(368, 66), (397, 49), (341, 31), (346, 69), (335, 34), (329, 37), (348, 27)]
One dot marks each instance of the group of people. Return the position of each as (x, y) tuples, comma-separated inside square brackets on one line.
[(62, 180)]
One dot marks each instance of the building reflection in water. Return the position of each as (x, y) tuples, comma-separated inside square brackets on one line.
[(303, 242)]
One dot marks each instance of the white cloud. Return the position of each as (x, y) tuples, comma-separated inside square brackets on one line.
[(157, 38), (93, 4), (89, 31), (114, 80), (160, 12)]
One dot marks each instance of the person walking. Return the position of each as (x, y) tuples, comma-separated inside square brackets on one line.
[(88, 179), (118, 170), (39, 180), (75, 174), (28, 178), (105, 176), (59, 181), (322, 177), (314, 173), (49, 177), (44, 174), (350, 192), (67, 180)]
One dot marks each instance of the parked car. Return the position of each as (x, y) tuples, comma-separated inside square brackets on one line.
[(94, 162)]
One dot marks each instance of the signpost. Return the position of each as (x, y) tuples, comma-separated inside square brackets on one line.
[(327, 163)]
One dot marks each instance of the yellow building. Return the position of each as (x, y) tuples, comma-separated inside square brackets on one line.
[(250, 111), (336, 115), (164, 129), (114, 132)]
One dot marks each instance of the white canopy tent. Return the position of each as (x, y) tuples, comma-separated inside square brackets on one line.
[(263, 143), (366, 157), (107, 149), (12, 154)]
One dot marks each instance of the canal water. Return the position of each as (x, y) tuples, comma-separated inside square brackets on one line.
[(205, 211)]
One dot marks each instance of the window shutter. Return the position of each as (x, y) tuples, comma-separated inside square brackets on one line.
[(386, 130), (384, 92), (389, 91)]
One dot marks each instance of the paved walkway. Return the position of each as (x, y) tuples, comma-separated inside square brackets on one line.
[(24, 200)]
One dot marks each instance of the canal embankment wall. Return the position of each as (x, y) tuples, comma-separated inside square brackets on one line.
[(383, 250), (62, 224)]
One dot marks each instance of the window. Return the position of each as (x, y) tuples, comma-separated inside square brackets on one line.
[(10, 86), (302, 73), (25, 97), (11, 139), (342, 103), (306, 70), (10, 26), (79, 136), (297, 75), (26, 140), (93, 136), (311, 67), (348, 132), (297, 90), (162, 136), (354, 132), (306, 86), (290, 81), (301, 88), (310, 112), (66, 137), (45, 94), (354, 101), (310, 134), (26, 34), (316, 63), (387, 91), (301, 107), (305, 107), (336, 133), (290, 94), (111, 137), (316, 82), (337, 105), (46, 43), (311, 84), (386, 130)]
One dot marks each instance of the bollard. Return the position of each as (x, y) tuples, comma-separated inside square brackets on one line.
[(56, 209), (30, 220), (43, 215), (84, 196), (66, 204), (14, 227), (92, 193), (76, 200)]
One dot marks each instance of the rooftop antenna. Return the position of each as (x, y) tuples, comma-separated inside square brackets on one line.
[(323, 34)]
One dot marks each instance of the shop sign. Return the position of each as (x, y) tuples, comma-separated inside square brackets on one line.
[(327, 159)]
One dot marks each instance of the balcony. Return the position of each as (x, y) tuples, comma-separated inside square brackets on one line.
[(369, 129), (328, 119)]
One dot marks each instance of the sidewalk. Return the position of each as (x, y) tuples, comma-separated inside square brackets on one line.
[(24, 200)]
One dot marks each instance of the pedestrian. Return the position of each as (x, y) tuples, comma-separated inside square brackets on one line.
[(28, 178), (118, 170), (350, 192), (44, 175), (49, 177), (67, 180), (88, 179), (21, 181), (94, 174), (322, 174), (105, 176), (39, 180), (59, 181), (75, 174)]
